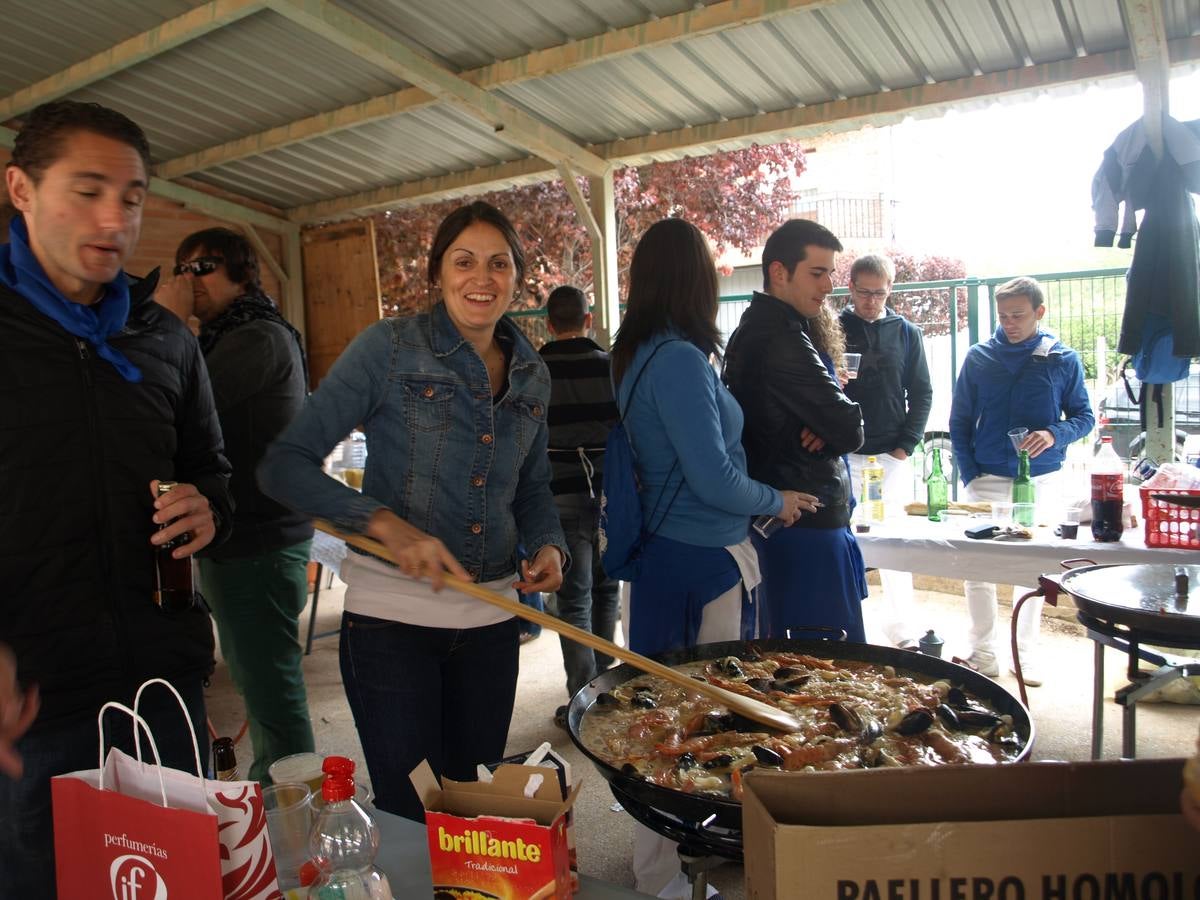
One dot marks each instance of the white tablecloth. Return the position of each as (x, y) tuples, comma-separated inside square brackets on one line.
[(914, 544)]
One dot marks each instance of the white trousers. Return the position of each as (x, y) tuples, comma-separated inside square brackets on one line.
[(656, 858), (981, 596), (898, 621)]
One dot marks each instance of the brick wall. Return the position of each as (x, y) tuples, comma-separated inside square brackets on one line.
[(164, 225)]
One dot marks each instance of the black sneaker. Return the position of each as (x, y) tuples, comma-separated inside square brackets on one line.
[(560, 717)]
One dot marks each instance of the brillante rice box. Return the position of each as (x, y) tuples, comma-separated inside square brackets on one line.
[(503, 840)]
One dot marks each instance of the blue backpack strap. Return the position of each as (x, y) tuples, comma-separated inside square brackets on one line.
[(679, 485)]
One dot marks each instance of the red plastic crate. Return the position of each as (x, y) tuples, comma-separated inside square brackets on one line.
[(1168, 525)]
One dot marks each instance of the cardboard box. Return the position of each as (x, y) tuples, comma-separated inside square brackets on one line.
[(1034, 831), (492, 839)]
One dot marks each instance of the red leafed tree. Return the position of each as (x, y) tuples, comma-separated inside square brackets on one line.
[(736, 198), (929, 308)]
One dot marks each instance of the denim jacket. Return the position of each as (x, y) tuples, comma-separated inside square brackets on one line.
[(441, 456)]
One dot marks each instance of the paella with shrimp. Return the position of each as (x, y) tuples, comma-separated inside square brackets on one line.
[(853, 715)]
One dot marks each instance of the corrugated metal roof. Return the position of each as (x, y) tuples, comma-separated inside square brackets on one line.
[(39, 39), (264, 70), (238, 80)]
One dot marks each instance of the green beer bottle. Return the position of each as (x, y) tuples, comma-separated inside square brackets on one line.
[(937, 489), (1022, 493)]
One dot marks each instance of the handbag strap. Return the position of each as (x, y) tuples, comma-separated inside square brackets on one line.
[(138, 722)]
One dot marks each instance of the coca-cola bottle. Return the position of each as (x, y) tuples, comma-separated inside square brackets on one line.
[(1108, 493)]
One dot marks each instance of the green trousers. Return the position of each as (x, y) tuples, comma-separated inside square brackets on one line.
[(257, 602)]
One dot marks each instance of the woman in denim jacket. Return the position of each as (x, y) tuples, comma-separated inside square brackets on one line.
[(453, 404)]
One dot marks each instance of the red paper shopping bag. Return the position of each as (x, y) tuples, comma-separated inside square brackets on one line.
[(109, 845), (138, 831)]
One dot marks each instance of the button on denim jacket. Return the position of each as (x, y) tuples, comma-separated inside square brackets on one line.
[(439, 453)]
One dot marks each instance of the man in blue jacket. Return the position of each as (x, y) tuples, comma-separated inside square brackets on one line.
[(1021, 377)]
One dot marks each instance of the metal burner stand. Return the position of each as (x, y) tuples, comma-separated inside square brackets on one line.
[(1127, 607), (702, 845)]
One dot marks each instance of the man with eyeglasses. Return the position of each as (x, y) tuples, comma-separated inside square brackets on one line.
[(257, 582), (103, 394), (1020, 377), (893, 389)]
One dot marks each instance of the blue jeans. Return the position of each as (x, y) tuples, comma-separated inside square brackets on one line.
[(70, 745), (588, 598), (439, 694)]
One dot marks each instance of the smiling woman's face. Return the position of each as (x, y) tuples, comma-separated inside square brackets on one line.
[(477, 279)]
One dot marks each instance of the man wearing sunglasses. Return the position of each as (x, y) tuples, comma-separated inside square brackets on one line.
[(103, 395), (894, 392), (257, 581)]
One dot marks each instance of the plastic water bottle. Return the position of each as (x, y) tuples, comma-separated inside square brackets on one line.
[(1108, 493), (872, 490), (344, 840)]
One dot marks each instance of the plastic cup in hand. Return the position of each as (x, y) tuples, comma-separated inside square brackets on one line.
[(1017, 436), (289, 816), (766, 525), (851, 362)]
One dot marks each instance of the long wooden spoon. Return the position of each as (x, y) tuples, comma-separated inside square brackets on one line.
[(752, 709)]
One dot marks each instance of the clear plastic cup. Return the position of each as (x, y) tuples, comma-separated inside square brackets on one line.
[(1002, 512), (289, 816), (851, 362), (1017, 436), (305, 767)]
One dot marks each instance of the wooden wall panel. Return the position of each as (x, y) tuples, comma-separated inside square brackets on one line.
[(341, 289)]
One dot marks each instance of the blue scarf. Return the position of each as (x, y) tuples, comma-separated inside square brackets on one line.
[(21, 272), (1013, 356)]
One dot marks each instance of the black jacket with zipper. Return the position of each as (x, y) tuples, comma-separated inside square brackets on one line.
[(79, 446), (779, 380)]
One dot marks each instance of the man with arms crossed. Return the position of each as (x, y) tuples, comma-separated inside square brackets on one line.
[(104, 394), (894, 392), (1020, 377)]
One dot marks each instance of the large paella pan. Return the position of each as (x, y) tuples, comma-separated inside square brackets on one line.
[(863, 706)]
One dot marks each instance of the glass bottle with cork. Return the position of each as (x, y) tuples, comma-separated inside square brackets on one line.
[(173, 588), (1023, 494)]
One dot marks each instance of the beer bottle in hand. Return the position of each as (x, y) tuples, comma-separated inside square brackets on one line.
[(173, 590)]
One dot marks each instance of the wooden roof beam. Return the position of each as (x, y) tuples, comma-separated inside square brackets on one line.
[(1148, 40), (139, 48), (538, 64), (513, 124)]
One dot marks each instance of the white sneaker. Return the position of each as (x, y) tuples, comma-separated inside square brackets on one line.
[(1031, 673), (984, 663)]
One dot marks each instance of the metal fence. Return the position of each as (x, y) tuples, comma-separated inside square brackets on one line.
[(1082, 308)]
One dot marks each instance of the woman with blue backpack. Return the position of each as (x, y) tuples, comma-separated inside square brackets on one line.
[(695, 566)]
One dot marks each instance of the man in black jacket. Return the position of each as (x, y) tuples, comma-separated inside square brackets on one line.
[(257, 581), (780, 365), (104, 394), (893, 389)]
